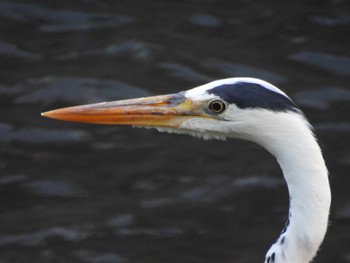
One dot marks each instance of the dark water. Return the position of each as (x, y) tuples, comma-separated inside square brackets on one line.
[(82, 193)]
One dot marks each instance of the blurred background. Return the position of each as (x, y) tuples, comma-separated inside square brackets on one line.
[(83, 193)]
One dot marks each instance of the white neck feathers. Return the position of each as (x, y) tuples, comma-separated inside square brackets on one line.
[(300, 158)]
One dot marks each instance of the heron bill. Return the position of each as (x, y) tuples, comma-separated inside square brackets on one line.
[(162, 111)]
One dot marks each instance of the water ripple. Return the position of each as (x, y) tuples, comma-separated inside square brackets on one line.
[(338, 65), (42, 236), (61, 20), (49, 90)]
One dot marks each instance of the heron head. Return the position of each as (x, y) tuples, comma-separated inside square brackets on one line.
[(234, 107)]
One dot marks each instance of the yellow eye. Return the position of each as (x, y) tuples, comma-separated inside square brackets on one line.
[(217, 106)]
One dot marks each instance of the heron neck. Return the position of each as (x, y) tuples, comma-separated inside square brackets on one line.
[(306, 175)]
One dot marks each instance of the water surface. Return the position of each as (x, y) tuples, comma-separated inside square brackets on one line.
[(82, 193)]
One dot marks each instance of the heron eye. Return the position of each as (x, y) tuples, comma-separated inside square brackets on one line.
[(217, 106)]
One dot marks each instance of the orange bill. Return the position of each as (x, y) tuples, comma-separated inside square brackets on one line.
[(162, 111)]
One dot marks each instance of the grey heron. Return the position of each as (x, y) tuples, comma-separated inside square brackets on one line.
[(249, 109)]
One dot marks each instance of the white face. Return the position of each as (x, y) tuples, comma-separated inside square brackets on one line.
[(260, 125), (232, 123)]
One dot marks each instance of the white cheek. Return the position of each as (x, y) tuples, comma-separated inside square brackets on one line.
[(231, 112), (204, 128), (200, 124)]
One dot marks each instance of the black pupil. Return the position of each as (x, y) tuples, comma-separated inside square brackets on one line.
[(217, 106)]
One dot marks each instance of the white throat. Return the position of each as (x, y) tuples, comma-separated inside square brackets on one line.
[(305, 172)]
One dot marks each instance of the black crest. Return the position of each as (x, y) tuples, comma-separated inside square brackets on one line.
[(254, 95)]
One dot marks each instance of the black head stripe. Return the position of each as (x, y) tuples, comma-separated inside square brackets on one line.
[(253, 95)]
